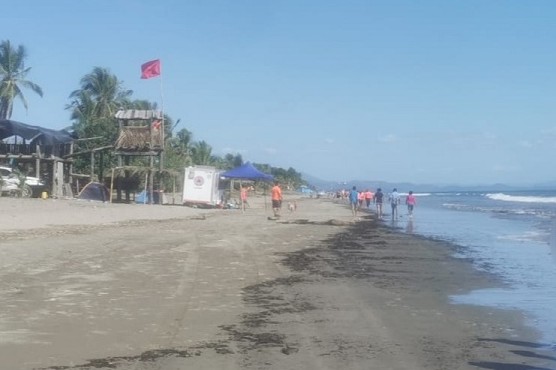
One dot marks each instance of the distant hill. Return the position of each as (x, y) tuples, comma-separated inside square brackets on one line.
[(406, 186)]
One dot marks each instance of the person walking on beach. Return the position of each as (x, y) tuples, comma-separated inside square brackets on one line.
[(368, 197), (361, 199), (243, 197), (410, 201), (354, 200), (379, 198), (394, 201), (276, 196)]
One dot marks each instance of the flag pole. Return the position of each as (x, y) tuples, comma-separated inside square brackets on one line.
[(148, 70), (162, 130)]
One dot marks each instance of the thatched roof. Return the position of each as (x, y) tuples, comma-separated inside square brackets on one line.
[(139, 139), (136, 114)]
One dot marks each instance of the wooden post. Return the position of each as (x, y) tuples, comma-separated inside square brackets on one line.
[(38, 162), (240, 197), (111, 185), (71, 165), (92, 166), (53, 190), (173, 190), (147, 194), (151, 178)]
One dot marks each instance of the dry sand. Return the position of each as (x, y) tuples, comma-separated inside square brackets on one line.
[(112, 286)]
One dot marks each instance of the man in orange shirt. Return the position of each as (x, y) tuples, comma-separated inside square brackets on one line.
[(276, 193)]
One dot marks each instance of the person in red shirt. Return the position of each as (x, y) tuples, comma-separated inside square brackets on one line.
[(410, 201), (276, 196), (368, 197), (361, 199), (243, 196)]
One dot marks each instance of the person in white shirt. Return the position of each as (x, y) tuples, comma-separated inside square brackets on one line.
[(394, 201)]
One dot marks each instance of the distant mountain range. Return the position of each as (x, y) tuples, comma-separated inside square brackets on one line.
[(406, 186)]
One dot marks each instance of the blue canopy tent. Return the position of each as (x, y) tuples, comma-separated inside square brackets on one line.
[(247, 172)]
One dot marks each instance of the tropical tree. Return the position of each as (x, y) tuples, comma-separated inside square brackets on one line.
[(201, 153), (181, 143), (13, 75), (94, 105), (92, 108), (105, 90), (290, 178), (177, 151), (232, 161)]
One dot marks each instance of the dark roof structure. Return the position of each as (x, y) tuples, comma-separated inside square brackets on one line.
[(35, 134), (138, 114)]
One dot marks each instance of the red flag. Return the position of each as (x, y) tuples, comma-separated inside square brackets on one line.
[(150, 69)]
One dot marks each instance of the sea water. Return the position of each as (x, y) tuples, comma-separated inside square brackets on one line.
[(510, 234)]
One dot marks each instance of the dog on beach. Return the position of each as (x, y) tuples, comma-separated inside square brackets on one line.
[(292, 206)]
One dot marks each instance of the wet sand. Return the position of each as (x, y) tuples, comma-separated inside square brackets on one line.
[(113, 286)]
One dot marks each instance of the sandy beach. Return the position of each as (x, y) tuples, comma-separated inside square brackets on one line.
[(89, 285)]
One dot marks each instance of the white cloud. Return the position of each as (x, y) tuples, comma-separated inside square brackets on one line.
[(388, 138), (549, 131), (505, 168), (329, 141), (227, 150), (271, 150), (489, 136)]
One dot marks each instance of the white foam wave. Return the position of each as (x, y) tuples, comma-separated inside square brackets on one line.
[(526, 237), (521, 198)]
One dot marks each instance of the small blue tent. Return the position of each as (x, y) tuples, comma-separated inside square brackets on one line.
[(305, 190)]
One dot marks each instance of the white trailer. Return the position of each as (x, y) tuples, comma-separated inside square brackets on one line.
[(201, 186)]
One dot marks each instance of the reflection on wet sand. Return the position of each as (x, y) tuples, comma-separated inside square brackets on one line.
[(552, 239), (409, 227)]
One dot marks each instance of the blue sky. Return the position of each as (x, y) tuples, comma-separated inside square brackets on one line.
[(439, 92)]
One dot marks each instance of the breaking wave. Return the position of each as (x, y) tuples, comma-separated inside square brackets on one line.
[(521, 198)]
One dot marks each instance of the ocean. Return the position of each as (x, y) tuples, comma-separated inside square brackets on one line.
[(510, 234)]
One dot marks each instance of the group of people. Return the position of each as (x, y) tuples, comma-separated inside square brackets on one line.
[(275, 194), (358, 199)]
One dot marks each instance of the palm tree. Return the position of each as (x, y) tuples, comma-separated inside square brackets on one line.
[(12, 78), (232, 161), (104, 90), (178, 150), (201, 153), (93, 109)]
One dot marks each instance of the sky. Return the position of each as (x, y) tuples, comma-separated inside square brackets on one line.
[(429, 92)]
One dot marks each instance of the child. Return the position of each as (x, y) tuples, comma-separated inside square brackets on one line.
[(243, 196), (410, 201)]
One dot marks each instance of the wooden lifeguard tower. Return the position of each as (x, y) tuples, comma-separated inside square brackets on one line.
[(141, 134)]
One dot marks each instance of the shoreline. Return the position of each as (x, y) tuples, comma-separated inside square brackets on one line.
[(312, 290)]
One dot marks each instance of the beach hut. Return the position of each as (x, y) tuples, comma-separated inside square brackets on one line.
[(48, 151)]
